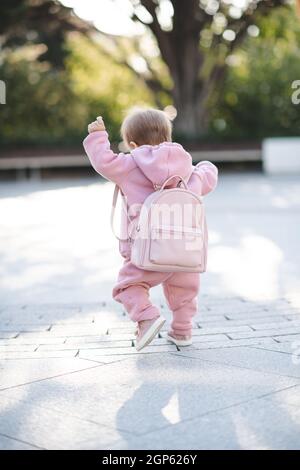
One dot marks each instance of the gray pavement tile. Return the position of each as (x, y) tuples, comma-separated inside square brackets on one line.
[(289, 396), (100, 339), (15, 372), (209, 317), (246, 320), (223, 329), (128, 329), (275, 325), (7, 443), (287, 348), (17, 347), (227, 344), (46, 428), (263, 360), (257, 425), (90, 353), (40, 339), (79, 345), (8, 334), (41, 336), (198, 335), (12, 327), (256, 314), (295, 316), (130, 395), (37, 354), (78, 330), (288, 338), (269, 332)]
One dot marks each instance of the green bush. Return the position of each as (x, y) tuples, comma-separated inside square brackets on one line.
[(256, 97)]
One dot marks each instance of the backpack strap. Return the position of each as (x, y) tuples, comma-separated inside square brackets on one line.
[(113, 210), (117, 190), (181, 181)]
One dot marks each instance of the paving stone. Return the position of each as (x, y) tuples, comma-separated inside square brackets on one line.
[(7, 443), (247, 426), (279, 325), (47, 429), (15, 372), (262, 360), (223, 329), (208, 317), (288, 338), (39, 336), (269, 332), (12, 327), (135, 396), (17, 347), (250, 315), (198, 336), (227, 344), (101, 339), (244, 321), (84, 353), (79, 345), (8, 334), (129, 329), (294, 316), (112, 320), (279, 347), (79, 330), (37, 354), (40, 339), (289, 396)]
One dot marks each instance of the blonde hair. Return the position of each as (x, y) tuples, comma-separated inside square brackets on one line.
[(146, 127)]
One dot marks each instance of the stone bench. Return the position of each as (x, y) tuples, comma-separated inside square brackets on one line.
[(34, 165), (281, 155)]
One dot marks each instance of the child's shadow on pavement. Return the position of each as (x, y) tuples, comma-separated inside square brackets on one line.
[(185, 403)]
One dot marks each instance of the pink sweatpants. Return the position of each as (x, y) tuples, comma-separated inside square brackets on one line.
[(180, 289)]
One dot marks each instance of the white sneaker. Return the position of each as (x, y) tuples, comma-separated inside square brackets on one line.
[(180, 342), (150, 333)]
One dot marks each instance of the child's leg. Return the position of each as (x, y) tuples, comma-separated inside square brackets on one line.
[(132, 290), (181, 290)]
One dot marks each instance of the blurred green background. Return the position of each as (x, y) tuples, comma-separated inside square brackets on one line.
[(61, 72)]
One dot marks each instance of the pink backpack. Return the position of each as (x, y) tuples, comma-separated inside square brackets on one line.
[(171, 232)]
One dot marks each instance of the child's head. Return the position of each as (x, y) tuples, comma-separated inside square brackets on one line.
[(146, 127)]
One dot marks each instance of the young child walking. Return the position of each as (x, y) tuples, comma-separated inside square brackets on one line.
[(152, 160)]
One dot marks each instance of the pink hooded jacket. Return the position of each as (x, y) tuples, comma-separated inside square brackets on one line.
[(147, 167)]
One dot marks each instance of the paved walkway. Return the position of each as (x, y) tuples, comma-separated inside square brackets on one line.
[(69, 373)]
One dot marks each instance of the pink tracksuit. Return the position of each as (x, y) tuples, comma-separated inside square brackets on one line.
[(137, 173)]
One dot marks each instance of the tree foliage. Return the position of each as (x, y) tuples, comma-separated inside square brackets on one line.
[(61, 73), (50, 106), (194, 45), (255, 101), (44, 22)]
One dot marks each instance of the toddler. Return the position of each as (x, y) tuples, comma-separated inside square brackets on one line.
[(152, 159)]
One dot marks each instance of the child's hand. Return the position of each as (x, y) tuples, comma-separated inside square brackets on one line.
[(97, 125)]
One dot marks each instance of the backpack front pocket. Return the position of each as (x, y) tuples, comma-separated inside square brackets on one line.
[(178, 247)]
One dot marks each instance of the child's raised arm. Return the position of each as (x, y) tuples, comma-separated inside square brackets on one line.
[(112, 166), (208, 174)]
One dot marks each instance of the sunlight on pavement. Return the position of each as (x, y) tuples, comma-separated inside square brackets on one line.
[(250, 270), (56, 242)]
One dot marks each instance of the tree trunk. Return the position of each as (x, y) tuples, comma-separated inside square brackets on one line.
[(185, 65), (191, 102), (192, 115), (181, 52)]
